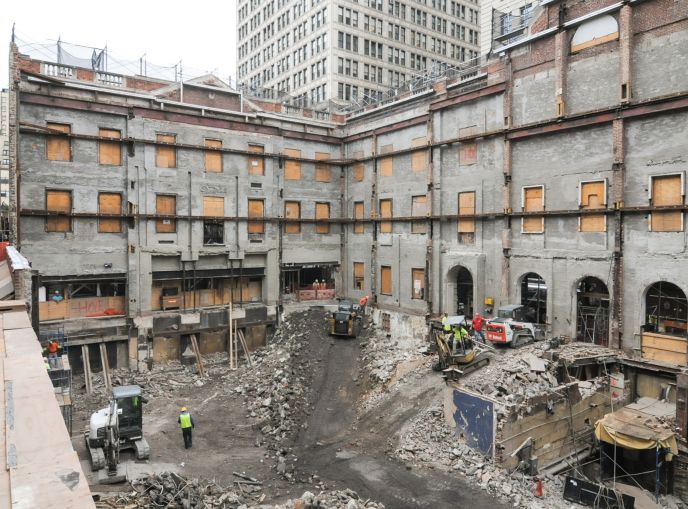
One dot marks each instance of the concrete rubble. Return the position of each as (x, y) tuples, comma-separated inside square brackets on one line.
[(174, 491)]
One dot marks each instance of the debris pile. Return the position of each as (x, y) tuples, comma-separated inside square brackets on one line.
[(429, 441), (381, 354), (174, 491), (346, 499)]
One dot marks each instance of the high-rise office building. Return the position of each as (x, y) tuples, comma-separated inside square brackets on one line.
[(313, 51)]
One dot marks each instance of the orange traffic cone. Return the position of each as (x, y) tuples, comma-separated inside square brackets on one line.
[(538, 488)]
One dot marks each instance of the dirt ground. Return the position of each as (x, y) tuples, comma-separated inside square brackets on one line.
[(336, 444)]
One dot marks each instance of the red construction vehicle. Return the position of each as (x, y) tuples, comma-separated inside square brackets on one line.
[(512, 328)]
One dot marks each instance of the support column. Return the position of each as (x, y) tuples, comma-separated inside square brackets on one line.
[(429, 210), (374, 213), (617, 193), (625, 45), (86, 361), (506, 190), (561, 52)]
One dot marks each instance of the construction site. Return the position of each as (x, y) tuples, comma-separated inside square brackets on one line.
[(470, 292)]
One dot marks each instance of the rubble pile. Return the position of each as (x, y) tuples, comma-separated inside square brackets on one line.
[(174, 491), (429, 441), (346, 499), (381, 355)]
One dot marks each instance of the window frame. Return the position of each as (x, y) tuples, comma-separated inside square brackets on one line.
[(523, 209), (165, 145), (255, 228), (160, 226), (102, 143), (386, 226), (322, 228), (384, 268), (56, 139), (682, 175), (213, 154), (604, 205), (103, 221), (56, 220), (292, 227)]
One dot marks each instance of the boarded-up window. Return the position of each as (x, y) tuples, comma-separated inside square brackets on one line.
[(109, 203), (166, 205), (419, 159), (292, 169), (292, 210), (256, 208), (322, 211), (256, 165), (533, 200), (386, 163), (59, 148), (419, 209), (58, 201), (359, 172), (386, 280), (213, 158), (213, 206), (166, 156), (468, 152), (110, 152), (667, 190), (359, 276), (358, 214), (322, 171), (418, 283), (466, 227), (593, 195), (386, 212)]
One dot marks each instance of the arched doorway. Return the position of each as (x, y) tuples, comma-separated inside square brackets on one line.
[(592, 311), (534, 297), (464, 292), (666, 309)]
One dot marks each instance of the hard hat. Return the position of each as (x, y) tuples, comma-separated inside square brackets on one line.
[(183, 409)]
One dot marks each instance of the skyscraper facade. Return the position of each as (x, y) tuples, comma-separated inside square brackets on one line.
[(313, 51)]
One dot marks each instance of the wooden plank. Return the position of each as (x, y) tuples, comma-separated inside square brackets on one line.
[(87, 369), (109, 203), (256, 165), (322, 211), (292, 169), (386, 280), (386, 206), (242, 340), (256, 208), (197, 351), (110, 152), (166, 157), (292, 210), (106, 367), (213, 158), (466, 207), (59, 148), (359, 211), (166, 204)]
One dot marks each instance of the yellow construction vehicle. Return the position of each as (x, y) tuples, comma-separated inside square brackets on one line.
[(456, 359), (346, 321)]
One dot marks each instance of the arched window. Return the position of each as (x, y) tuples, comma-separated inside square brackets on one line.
[(594, 32)]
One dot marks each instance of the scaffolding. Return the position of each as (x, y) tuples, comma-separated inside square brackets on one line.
[(60, 371)]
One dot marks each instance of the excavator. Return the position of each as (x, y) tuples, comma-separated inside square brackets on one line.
[(462, 359), (117, 427)]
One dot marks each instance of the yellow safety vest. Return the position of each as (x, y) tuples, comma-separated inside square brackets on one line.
[(445, 324), (185, 420)]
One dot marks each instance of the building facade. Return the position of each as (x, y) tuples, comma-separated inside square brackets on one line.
[(313, 51), (5, 148), (554, 179)]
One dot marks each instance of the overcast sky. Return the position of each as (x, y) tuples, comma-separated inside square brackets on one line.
[(202, 36)]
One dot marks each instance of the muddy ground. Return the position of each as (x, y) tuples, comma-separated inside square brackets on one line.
[(326, 440)]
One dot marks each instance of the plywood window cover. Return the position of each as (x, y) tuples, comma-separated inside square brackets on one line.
[(322, 211), (256, 165), (419, 208), (386, 211), (533, 224), (256, 209), (109, 203), (592, 222), (166, 156), (419, 159), (359, 275), (386, 280), (213, 158), (166, 205), (59, 148), (110, 152), (466, 203), (386, 163), (323, 173), (292, 169), (670, 220), (213, 206), (417, 275), (292, 210), (58, 201), (359, 212)]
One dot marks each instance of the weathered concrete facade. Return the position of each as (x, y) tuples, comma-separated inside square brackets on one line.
[(468, 195)]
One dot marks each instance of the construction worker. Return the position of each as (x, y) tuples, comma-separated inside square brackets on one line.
[(46, 364), (57, 296), (363, 303), (478, 322), (186, 423), (52, 347)]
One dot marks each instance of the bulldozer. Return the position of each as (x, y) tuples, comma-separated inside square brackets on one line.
[(114, 428), (346, 320), (462, 359)]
